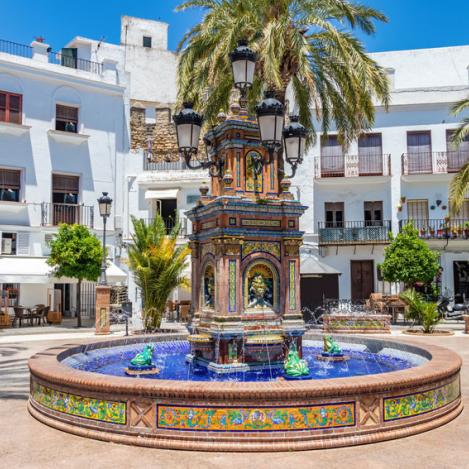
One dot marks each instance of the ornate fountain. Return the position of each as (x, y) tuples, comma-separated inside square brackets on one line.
[(245, 257)]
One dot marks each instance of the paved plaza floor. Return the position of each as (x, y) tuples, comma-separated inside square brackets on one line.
[(26, 443)]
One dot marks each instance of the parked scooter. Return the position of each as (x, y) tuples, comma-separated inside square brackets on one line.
[(452, 309)]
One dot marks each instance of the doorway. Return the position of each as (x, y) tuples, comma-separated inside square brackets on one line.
[(461, 280), (362, 279)]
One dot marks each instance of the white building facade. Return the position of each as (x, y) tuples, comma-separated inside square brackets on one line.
[(398, 171)]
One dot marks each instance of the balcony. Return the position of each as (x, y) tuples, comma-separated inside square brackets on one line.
[(354, 232), (170, 223), (179, 165), (352, 166), (434, 229), (57, 58), (54, 214), (437, 162)]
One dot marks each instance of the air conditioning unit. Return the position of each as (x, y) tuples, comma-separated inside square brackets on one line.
[(7, 245)]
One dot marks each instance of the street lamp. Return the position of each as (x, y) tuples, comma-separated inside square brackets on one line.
[(294, 138), (243, 62), (270, 117), (188, 126), (104, 203)]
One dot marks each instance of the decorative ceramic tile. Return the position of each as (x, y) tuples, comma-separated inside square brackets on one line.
[(254, 182), (79, 406), (271, 247), (257, 222), (292, 289), (256, 419), (356, 323), (411, 405), (207, 248), (232, 285), (209, 224)]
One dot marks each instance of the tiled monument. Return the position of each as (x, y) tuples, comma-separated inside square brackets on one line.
[(245, 257)]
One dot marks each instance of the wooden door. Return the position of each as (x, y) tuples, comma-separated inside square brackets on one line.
[(362, 279)]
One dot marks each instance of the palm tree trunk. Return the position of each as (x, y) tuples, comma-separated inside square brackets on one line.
[(79, 303)]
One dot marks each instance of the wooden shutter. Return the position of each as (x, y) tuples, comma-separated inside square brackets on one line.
[(417, 209), (66, 113), (65, 184), (22, 243), (10, 179)]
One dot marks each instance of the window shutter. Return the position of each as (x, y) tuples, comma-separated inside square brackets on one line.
[(65, 184), (22, 243)]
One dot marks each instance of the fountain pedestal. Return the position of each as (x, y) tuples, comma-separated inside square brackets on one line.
[(245, 259)]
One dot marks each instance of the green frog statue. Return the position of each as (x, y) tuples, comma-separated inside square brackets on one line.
[(294, 366), (144, 358), (331, 346)]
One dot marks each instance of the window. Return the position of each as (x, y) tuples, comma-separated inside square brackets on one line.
[(332, 158), (334, 214), (457, 156), (65, 191), (417, 209), (10, 184), (10, 107), (10, 293), (167, 208), (419, 149), (370, 155), (66, 118), (373, 213), (8, 244), (147, 41)]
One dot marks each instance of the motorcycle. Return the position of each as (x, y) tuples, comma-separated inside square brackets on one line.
[(452, 309)]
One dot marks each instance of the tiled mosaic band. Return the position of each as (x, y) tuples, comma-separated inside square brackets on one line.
[(86, 407), (236, 419), (411, 405)]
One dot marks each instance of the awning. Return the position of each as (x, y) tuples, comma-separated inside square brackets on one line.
[(312, 266), (161, 194), (36, 270), (114, 274), (24, 270)]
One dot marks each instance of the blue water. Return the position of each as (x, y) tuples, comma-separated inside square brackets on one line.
[(169, 357)]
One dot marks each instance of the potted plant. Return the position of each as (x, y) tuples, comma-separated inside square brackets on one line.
[(447, 228), (439, 231), (423, 232), (432, 232), (460, 230)]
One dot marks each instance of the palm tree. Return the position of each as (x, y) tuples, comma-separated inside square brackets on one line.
[(460, 183), (158, 265), (307, 45)]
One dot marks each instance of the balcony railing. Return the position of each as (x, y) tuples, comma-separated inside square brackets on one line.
[(13, 48), (23, 50), (354, 232), (440, 228), (178, 165), (54, 214), (74, 62), (353, 165), (437, 162), (170, 223)]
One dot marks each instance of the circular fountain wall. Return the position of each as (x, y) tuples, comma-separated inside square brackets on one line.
[(386, 390)]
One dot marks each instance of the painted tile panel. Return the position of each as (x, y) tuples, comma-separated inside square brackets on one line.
[(86, 407), (256, 419), (411, 405)]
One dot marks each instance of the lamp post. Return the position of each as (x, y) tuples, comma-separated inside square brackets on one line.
[(104, 203), (270, 117)]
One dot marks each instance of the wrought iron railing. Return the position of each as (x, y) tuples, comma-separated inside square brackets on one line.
[(13, 48), (178, 165), (354, 232), (353, 165), (440, 228), (74, 62), (170, 223), (437, 162), (54, 214)]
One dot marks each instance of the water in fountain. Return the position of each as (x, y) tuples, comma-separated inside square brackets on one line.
[(169, 357)]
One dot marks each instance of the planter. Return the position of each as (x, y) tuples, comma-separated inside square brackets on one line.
[(439, 233), (357, 323), (466, 232), (5, 320), (54, 317), (436, 333)]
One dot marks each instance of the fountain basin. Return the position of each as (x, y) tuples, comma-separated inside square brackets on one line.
[(275, 415)]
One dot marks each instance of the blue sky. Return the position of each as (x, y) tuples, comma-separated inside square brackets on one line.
[(413, 24)]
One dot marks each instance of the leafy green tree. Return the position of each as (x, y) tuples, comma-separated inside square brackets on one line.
[(158, 264), (310, 45), (76, 253), (460, 183), (408, 259)]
